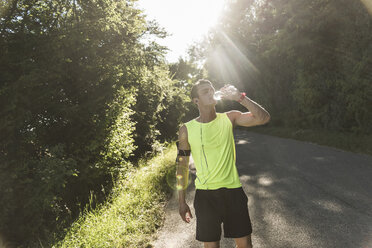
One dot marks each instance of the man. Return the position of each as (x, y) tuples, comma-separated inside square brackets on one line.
[(219, 197)]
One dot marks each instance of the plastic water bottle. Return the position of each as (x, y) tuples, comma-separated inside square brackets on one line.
[(230, 89), (218, 95)]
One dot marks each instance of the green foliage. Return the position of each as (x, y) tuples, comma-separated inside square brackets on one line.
[(133, 211), (173, 109), (184, 74), (307, 62), (119, 143), (81, 97), (154, 86), (31, 190)]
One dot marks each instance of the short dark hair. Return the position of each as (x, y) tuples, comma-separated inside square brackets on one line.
[(194, 89)]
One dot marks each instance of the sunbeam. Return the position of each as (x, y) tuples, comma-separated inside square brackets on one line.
[(368, 5), (240, 56), (229, 61)]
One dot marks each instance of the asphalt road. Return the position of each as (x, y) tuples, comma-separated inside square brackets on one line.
[(299, 195)]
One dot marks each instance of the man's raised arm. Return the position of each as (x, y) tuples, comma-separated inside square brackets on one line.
[(257, 115)]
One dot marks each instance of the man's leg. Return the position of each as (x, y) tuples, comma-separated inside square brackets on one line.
[(237, 222), (243, 242), (208, 217), (215, 244)]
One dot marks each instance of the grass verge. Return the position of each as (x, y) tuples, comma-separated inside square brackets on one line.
[(133, 212), (345, 141)]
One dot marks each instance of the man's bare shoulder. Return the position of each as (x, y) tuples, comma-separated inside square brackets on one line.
[(183, 129), (183, 138), (232, 114)]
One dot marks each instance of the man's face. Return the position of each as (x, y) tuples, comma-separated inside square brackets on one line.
[(205, 93)]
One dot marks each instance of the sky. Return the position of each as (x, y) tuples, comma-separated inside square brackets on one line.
[(186, 20)]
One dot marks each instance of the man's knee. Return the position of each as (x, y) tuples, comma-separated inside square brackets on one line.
[(245, 246), (244, 242), (212, 244)]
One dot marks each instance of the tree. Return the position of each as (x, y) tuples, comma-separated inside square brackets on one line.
[(80, 95)]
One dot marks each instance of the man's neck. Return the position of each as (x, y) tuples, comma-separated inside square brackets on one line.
[(207, 114)]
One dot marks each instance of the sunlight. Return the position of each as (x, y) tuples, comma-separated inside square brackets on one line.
[(222, 62), (265, 181), (368, 4), (329, 205), (229, 60), (242, 142), (186, 20), (240, 56)]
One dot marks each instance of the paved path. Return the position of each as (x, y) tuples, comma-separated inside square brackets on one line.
[(300, 195)]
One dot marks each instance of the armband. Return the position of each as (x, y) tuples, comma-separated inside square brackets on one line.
[(184, 153)]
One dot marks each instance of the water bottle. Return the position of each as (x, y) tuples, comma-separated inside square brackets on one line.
[(230, 89), (218, 95)]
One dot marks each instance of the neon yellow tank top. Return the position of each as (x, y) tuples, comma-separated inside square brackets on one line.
[(215, 164)]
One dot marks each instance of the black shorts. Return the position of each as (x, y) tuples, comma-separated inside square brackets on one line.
[(227, 206)]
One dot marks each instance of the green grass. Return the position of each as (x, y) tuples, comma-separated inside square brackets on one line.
[(345, 141), (133, 212)]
